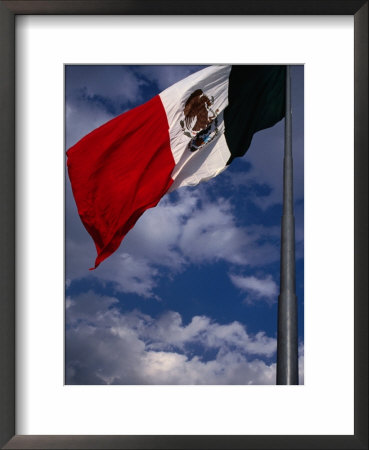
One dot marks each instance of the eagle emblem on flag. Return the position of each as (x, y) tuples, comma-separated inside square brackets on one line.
[(200, 122)]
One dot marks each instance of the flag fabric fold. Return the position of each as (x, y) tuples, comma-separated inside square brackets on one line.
[(187, 134)]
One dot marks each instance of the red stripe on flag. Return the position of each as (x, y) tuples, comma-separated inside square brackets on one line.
[(118, 171)]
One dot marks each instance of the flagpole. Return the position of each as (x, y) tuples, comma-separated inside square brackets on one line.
[(287, 358)]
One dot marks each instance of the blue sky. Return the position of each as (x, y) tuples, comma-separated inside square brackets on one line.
[(190, 297)]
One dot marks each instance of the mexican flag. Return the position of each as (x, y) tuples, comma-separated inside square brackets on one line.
[(187, 134)]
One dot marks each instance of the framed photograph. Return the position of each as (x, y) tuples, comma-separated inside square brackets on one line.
[(127, 356), (193, 285)]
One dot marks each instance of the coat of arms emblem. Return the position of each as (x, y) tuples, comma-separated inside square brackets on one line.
[(200, 121)]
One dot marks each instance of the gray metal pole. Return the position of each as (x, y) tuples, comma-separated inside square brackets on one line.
[(287, 358)]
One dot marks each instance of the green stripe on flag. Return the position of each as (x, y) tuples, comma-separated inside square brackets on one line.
[(256, 97)]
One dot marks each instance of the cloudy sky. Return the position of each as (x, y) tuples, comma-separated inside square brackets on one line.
[(190, 297)]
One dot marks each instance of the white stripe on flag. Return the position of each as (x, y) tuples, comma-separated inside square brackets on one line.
[(211, 157)]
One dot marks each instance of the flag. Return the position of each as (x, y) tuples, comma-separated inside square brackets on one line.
[(187, 134)]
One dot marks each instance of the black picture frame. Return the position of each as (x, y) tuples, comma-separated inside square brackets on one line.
[(8, 11)]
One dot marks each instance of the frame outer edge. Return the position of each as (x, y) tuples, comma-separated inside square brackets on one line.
[(7, 244), (165, 7), (176, 442), (361, 224), (7, 225)]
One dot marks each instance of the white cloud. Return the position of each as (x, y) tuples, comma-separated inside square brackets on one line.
[(130, 274), (106, 346), (164, 76), (211, 234), (231, 368), (169, 331), (118, 84), (68, 302), (258, 288)]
